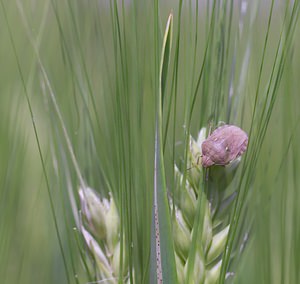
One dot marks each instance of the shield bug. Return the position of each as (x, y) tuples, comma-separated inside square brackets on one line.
[(225, 144)]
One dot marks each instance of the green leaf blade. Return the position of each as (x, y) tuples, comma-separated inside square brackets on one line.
[(162, 259)]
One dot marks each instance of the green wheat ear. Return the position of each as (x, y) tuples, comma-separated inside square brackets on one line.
[(216, 203), (100, 229)]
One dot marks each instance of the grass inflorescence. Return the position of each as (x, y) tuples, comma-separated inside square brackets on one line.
[(105, 97)]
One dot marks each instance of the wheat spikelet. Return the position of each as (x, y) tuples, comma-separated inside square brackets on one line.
[(216, 203), (101, 232)]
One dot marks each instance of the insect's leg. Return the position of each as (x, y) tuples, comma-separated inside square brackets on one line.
[(198, 160)]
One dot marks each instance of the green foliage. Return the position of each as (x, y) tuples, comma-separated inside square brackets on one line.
[(79, 88), (162, 259)]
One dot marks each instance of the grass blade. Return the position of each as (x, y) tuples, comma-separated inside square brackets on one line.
[(162, 267)]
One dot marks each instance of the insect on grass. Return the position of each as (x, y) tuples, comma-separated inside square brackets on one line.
[(225, 144)]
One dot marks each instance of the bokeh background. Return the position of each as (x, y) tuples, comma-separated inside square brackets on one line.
[(75, 42)]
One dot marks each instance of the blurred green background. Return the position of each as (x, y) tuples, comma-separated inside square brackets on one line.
[(76, 43)]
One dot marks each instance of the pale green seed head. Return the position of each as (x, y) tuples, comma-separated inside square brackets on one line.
[(179, 268), (182, 235), (94, 212), (207, 228), (112, 222), (194, 157), (101, 259), (115, 262), (187, 198), (213, 274), (218, 244), (199, 273)]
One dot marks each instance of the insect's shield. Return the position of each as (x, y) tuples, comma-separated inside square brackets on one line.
[(219, 176)]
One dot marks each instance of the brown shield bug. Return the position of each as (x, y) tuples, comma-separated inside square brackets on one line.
[(224, 145)]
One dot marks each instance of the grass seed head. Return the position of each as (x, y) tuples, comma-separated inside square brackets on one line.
[(94, 211)]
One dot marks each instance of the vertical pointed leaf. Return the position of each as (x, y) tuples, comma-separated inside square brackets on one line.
[(162, 263)]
